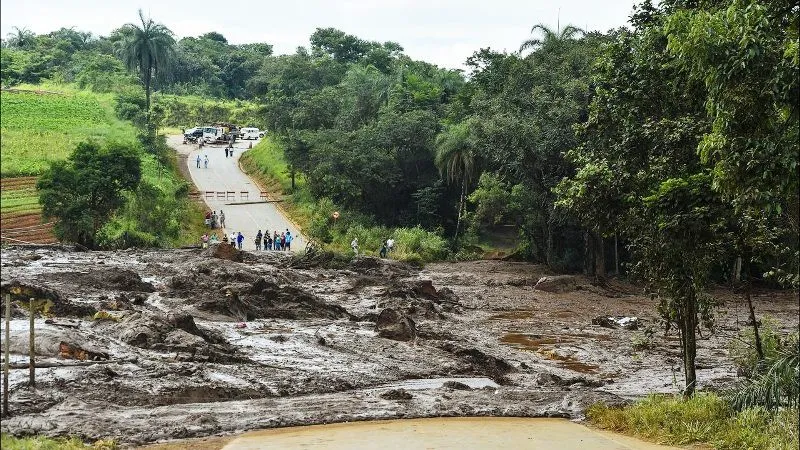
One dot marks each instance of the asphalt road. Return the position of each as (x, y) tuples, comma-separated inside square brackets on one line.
[(245, 211)]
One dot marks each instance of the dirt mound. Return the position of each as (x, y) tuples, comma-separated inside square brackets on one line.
[(107, 278), (396, 394), (224, 251), (556, 284), (267, 299), (176, 333), (391, 324), (456, 385), (490, 366)]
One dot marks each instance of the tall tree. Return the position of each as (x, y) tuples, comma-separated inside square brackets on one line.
[(148, 49), (455, 158), (83, 192), (549, 37)]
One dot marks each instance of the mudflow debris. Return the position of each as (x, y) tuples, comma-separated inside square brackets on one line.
[(149, 345)]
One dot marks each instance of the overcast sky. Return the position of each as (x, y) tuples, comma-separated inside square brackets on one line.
[(442, 32)]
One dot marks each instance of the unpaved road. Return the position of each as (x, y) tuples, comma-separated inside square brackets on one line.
[(450, 433), (245, 213), (204, 346)]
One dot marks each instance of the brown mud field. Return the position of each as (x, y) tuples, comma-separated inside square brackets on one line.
[(194, 343)]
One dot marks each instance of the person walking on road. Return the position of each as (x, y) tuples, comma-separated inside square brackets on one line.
[(198, 160), (221, 219), (239, 240), (258, 240), (267, 241), (233, 239), (354, 246), (205, 161)]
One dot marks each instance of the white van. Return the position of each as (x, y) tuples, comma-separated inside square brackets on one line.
[(249, 133)]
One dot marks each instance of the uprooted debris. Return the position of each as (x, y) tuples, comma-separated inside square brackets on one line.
[(626, 323)]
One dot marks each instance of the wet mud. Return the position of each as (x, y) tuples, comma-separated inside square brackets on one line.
[(146, 346)]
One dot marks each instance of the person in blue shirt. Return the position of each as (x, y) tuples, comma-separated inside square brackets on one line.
[(239, 240), (288, 240)]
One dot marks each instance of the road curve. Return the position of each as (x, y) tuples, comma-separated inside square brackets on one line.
[(245, 211)]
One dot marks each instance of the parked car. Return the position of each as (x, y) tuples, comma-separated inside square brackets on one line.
[(249, 133), (195, 132)]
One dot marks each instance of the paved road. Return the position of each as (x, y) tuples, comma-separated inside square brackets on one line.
[(456, 433), (223, 175)]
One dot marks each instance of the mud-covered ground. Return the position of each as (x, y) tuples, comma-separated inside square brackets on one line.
[(193, 345)]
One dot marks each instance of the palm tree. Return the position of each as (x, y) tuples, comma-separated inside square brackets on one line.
[(455, 158), (550, 37), (21, 38), (149, 49)]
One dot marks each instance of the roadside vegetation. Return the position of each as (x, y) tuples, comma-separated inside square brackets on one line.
[(9, 442), (706, 418), (266, 163)]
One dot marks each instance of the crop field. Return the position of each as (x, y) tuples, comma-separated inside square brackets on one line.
[(20, 219), (42, 126), (39, 126)]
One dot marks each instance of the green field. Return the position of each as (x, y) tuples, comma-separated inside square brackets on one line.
[(39, 124)]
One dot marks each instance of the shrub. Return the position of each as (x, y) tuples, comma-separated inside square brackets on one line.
[(703, 418)]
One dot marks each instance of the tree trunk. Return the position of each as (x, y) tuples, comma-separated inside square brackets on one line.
[(748, 285), (689, 341), (588, 260), (460, 208), (147, 79), (549, 251), (616, 255), (599, 256)]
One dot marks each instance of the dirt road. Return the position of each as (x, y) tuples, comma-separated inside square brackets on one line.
[(244, 210), (195, 346)]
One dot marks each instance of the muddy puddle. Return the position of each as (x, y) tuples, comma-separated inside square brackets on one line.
[(455, 433), (541, 344)]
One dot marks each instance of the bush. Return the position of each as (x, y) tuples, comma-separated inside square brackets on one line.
[(703, 418), (743, 351)]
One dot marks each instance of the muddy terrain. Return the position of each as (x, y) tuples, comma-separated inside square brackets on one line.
[(143, 346)]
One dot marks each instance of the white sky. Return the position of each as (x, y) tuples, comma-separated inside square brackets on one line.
[(442, 32)]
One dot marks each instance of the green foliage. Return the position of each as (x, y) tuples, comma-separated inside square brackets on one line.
[(149, 50), (40, 128), (742, 350), (42, 443), (704, 418), (83, 192), (774, 382)]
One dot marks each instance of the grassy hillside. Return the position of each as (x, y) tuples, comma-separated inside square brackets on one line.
[(44, 123), (40, 124)]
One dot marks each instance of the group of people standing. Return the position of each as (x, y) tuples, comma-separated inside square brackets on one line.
[(215, 221), (275, 241), (386, 247)]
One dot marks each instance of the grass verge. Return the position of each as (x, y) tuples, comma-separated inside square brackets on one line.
[(9, 442), (705, 419)]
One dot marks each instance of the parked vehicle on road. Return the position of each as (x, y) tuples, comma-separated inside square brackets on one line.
[(213, 134), (195, 132), (250, 133)]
